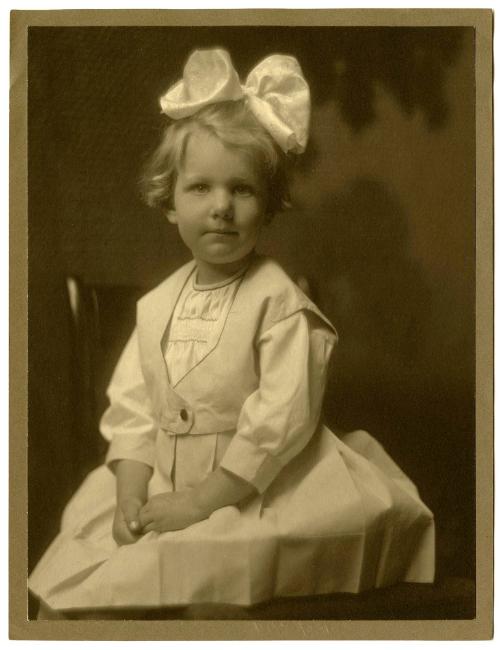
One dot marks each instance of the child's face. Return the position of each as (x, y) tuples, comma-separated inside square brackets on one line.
[(219, 202)]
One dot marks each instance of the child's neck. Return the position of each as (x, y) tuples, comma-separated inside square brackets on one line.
[(215, 273)]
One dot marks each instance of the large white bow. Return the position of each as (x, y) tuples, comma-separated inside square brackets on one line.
[(276, 91)]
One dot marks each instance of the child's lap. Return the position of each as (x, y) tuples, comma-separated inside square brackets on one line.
[(320, 512), (330, 482)]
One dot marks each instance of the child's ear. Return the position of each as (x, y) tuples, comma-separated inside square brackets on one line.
[(172, 216)]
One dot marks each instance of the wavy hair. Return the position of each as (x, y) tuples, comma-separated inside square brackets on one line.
[(236, 127)]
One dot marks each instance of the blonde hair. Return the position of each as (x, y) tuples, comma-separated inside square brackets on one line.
[(236, 127)]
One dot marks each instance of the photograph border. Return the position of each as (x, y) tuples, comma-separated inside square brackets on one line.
[(479, 628)]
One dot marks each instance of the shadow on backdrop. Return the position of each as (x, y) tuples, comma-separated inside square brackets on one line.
[(93, 117)]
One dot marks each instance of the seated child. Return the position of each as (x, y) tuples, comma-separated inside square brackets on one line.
[(221, 483)]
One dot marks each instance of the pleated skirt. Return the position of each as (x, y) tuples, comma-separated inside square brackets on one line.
[(341, 517)]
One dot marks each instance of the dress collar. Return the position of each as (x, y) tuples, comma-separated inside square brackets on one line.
[(222, 283)]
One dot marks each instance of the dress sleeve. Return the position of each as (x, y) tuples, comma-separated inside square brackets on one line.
[(279, 418), (128, 423)]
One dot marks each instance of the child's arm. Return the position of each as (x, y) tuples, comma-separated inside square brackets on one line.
[(221, 488), (278, 420), (176, 510), (275, 424), (131, 429), (132, 478)]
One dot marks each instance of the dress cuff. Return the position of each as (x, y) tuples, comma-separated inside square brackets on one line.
[(128, 446), (251, 463)]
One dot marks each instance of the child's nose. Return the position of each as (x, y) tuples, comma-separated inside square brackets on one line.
[(223, 204)]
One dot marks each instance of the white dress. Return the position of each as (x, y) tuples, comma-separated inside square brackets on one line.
[(339, 517)]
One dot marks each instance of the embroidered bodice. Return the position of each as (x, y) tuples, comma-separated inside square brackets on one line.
[(198, 316)]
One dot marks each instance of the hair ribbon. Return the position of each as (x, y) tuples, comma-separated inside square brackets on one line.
[(276, 92)]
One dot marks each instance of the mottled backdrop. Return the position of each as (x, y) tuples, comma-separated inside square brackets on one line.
[(383, 227)]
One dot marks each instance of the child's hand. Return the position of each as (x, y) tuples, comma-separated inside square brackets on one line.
[(126, 526), (170, 511)]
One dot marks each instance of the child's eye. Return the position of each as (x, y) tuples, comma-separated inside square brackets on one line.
[(243, 190), (200, 188)]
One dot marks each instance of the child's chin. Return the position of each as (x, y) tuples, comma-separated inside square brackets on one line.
[(225, 258)]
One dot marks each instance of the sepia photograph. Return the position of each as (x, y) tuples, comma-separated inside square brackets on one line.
[(258, 324)]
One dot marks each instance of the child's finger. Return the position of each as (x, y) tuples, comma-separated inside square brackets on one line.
[(133, 524), (149, 527), (122, 533), (126, 536), (131, 516), (145, 517)]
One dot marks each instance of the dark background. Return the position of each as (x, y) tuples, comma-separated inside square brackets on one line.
[(383, 227)]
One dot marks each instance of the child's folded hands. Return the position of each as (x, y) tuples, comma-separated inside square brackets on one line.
[(170, 511), (126, 526)]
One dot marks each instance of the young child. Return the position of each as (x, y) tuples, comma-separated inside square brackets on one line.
[(221, 483)]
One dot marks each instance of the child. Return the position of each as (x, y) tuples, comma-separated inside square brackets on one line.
[(221, 483)]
